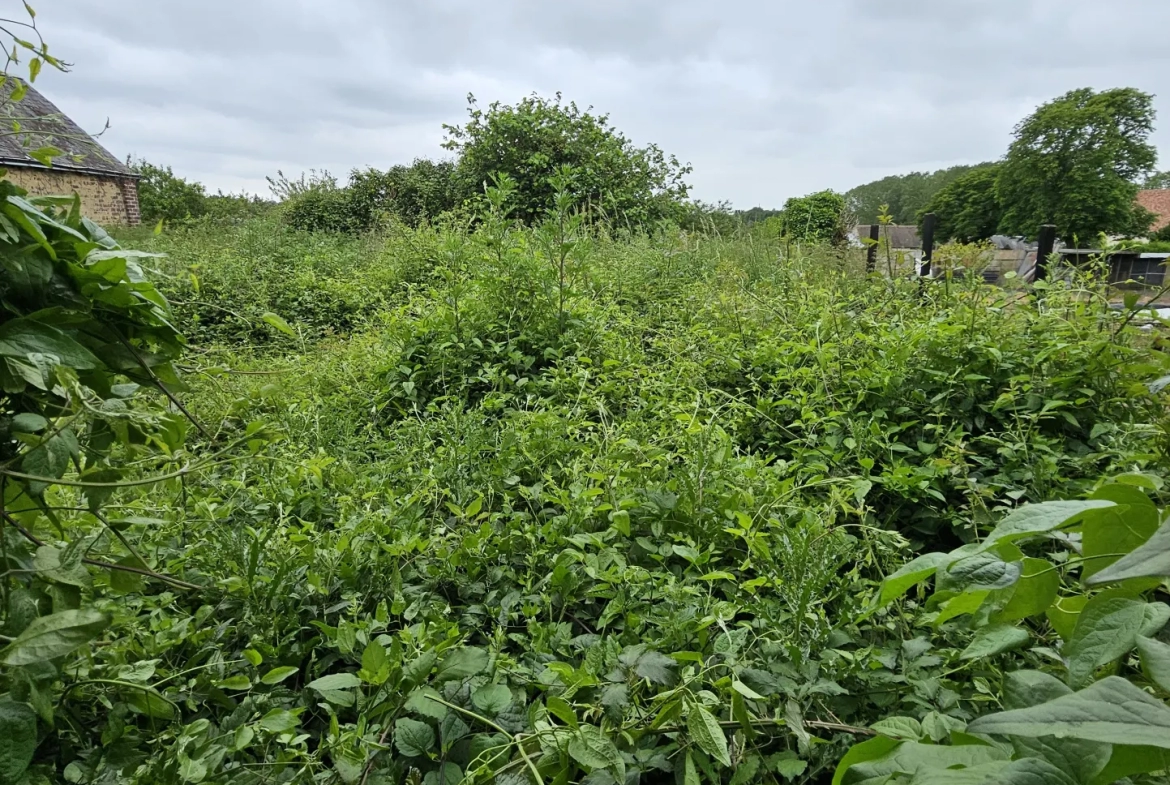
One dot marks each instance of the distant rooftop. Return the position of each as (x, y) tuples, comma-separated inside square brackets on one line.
[(42, 124), (1158, 203)]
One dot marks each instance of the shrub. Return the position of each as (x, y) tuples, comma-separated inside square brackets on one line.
[(529, 142), (815, 218), (164, 196)]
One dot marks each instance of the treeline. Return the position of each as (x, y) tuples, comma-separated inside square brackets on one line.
[(1077, 162)]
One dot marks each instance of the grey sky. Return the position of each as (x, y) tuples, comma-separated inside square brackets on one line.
[(766, 99)]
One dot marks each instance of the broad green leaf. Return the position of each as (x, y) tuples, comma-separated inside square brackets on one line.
[(1155, 661), (448, 774), (335, 681), (51, 636), (150, 703), (1064, 613), (22, 337), (18, 739), (1029, 771), (910, 758), (279, 721), (49, 565), (704, 730), (1154, 617), (27, 422), (1035, 519), (452, 728), (419, 668), (238, 682), (995, 639), (787, 765), (1028, 688), (413, 739), (1034, 593), (1150, 560), (279, 323), (866, 751), (690, 771), (492, 698), (1126, 761), (594, 750), (967, 602), (746, 691), (983, 571), (1080, 759), (901, 728), (462, 663), (1112, 710), (420, 701), (375, 664), (1108, 534), (560, 708), (277, 675), (656, 667), (911, 574), (1106, 629)]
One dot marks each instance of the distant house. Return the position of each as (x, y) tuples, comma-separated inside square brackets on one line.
[(1158, 203), (108, 188)]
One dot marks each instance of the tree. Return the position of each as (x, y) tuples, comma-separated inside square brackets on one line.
[(904, 195), (1157, 182), (818, 217), (968, 209), (1075, 163), (532, 140), (164, 196)]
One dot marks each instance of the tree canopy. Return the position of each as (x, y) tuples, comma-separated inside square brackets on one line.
[(904, 194), (968, 209), (535, 138), (1075, 163)]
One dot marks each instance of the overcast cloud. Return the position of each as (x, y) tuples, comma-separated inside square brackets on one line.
[(766, 99)]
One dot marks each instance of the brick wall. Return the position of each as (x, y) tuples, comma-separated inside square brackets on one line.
[(107, 200)]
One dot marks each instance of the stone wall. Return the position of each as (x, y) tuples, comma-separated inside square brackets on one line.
[(106, 199)]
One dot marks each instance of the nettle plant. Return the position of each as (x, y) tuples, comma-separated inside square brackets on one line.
[(1074, 583), (82, 336)]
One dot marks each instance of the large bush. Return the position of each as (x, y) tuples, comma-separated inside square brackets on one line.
[(615, 180), (411, 194), (815, 218)]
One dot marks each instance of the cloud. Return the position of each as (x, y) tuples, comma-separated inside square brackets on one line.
[(766, 100)]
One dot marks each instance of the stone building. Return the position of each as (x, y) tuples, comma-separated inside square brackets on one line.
[(108, 188)]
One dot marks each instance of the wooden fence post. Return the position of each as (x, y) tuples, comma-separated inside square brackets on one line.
[(871, 251), (929, 222), (1046, 242)]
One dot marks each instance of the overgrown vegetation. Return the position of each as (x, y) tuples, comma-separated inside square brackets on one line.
[(540, 504), (529, 497)]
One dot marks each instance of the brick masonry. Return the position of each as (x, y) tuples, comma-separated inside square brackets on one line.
[(106, 199)]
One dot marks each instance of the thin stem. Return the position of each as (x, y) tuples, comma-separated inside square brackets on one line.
[(517, 739), (105, 564)]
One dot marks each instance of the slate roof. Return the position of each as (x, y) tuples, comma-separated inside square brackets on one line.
[(43, 124), (903, 236), (1158, 203)]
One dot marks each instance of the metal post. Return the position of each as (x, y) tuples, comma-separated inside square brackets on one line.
[(929, 222), (1046, 242), (871, 252)]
